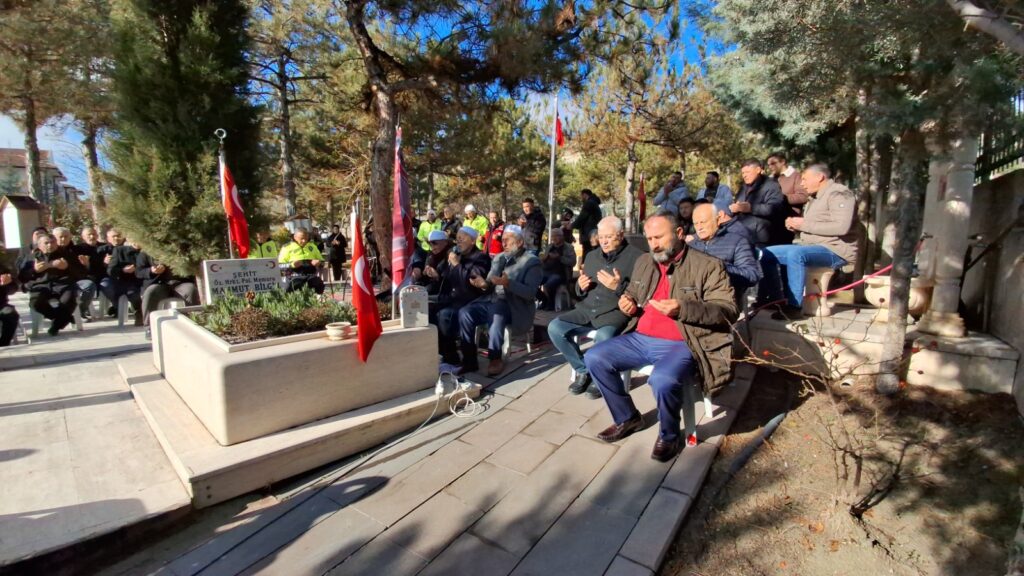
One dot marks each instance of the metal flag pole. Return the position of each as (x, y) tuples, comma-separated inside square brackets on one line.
[(221, 134), (551, 178)]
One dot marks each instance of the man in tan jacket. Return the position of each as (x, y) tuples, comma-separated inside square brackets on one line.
[(828, 239), (680, 307)]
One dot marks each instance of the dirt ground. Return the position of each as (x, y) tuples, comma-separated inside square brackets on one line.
[(925, 482)]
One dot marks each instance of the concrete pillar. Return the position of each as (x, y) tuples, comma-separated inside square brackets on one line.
[(951, 216)]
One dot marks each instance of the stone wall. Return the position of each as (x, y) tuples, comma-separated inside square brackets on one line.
[(995, 206)]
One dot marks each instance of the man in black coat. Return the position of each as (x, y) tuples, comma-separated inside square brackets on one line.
[(466, 263), (533, 228), (52, 284), (337, 244), (160, 283), (121, 271), (760, 205), (589, 216), (8, 315)]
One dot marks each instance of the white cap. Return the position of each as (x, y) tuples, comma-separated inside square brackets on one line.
[(512, 229), (431, 213), (470, 231), (436, 235), (470, 208)]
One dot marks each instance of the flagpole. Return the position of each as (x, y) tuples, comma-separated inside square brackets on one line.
[(551, 178), (221, 134)]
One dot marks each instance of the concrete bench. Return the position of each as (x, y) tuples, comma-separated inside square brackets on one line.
[(816, 284)]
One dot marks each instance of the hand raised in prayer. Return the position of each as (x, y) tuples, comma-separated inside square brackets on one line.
[(478, 282), (628, 305), (60, 264), (584, 282), (669, 307), (500, 280), (431, 272), (610, 281), (6, 279)]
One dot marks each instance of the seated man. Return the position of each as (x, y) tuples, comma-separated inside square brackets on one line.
[(557, 263), (264, 246), (121, 273), (52, 285), (120, 279), (85, 288), (685, 211), (604, 278), (8, 315), (515, 276), (465, 264), (681, 307), (159, 283), (303, 258), (429, 271), (89, 256), (733, 249), (828, 239)]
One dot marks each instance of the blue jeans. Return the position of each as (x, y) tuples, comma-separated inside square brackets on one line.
[(87, 291), (797, 259), (562, 335), (478, 313), (671, 381)]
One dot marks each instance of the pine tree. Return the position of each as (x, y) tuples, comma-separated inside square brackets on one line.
[(179, 75)]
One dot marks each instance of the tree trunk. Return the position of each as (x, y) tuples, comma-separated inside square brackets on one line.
[(330, 211), (885, 211), (430, 189), (33, 175), (910, 180), (92, 169), (380, 174), (864, 201), (630, 179), (287, 168)]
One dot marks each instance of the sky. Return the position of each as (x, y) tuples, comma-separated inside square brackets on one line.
[(62, 139)]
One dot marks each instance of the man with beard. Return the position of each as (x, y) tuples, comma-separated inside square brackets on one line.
[(681, 307), (715, 192), (512, 284), (760, 205), (430, 271)]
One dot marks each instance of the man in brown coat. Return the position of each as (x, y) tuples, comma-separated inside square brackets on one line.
[(681, 307)]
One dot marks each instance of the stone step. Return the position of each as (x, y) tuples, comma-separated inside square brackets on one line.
[(213, 473)]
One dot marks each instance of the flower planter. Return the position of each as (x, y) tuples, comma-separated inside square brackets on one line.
[(245, 391), (876, 291)]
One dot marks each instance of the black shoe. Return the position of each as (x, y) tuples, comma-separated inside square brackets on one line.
[(53, 330), (112, 311), (593, 392), (580, 384), (617, 432), (665, 451)]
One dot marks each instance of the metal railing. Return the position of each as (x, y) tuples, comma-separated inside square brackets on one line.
[(1001, 147)]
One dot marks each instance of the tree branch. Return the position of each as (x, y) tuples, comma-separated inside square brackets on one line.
[(990, 23)]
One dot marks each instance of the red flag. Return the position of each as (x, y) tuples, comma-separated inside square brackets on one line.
[(641, 196), (368, 327), (402, 239), (559, 135), (238, 227)]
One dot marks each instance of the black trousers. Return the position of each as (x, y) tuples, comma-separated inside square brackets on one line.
[(8, 324), (297, 281), (336, 268), (63, 313)]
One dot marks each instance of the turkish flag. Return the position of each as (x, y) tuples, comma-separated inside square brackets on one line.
[(559, 135), (238, 226), (368, 326)]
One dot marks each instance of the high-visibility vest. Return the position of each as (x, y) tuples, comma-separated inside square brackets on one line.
[(268, 249), (425, 229)]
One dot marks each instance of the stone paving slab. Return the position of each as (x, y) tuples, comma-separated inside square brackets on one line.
[(522, 454), (430, 528), (626, 567), (555, 427), (470, 555), (647, 543)]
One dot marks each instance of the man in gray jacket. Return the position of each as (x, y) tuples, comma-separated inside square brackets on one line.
[(515, 276), (828, 239)]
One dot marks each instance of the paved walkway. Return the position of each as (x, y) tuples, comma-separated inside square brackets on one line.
[(526, 488), (77, 458)]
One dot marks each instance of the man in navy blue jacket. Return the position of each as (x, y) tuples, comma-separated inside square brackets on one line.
[(727, 245)]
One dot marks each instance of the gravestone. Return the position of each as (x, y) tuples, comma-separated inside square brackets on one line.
[(412, 301), (239, 276)]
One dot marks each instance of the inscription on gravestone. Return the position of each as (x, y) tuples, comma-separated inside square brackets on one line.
[(240, 276)]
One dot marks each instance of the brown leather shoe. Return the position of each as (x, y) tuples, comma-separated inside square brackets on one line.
[(617, 432), (495, 366), (665, 451)]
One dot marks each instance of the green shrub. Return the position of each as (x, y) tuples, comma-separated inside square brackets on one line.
[(274, 313)]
